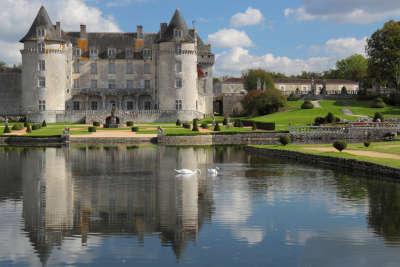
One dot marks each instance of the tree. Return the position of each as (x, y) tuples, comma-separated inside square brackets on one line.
[(257, 103), (383, 49), (353, 68), (253, 76)]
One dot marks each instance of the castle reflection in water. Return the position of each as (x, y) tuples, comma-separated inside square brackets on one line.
[(114, 190)]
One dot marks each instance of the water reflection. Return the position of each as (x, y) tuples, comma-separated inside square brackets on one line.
[(71, 206)]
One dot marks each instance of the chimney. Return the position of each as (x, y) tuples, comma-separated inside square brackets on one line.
[(139, 31), (163, 29), (83, 31), (58, 28)]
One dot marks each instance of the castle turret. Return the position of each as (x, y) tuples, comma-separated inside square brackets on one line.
[(44, 76), (177, 69)]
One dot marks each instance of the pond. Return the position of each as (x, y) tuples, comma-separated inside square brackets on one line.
[(123, 206)]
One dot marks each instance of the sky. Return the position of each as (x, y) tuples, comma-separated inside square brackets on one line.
[(282, 36)]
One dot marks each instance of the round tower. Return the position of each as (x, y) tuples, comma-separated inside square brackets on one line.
[(44, 76), (177, 69)]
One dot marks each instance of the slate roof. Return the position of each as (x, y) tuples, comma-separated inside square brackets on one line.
[(177, 22), (317, 81)]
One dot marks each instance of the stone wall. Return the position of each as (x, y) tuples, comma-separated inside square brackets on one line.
[(10, 93)]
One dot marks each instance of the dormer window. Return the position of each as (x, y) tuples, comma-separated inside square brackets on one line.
[(40, 32), (112, 52), (147, 53), (178, 49), (41, 47), (77, 52), (93, 52), (178, 33), (129, 53)]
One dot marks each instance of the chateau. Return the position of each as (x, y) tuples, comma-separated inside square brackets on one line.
[(81, 76)]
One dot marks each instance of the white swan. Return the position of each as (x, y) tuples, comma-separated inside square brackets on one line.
[(187, 171), (213, 171)]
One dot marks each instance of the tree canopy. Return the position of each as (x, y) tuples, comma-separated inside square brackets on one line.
[(354, 68), (253, 76), (258, 103)]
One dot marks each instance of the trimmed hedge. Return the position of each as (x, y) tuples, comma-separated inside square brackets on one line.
[(284, 140), (135, 129), (129, 123), (178, 122), (217, 128), (340, 145), (7, 129), (204, 125), (36, 127), (238, 123), (186, 125), (307, 105), (44, 124), (267, 126), (92, 129), (96, 124)]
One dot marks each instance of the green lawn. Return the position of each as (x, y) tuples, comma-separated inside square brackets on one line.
[(384, 147), (296, 116)]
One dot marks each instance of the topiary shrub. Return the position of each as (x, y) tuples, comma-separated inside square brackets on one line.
[(284, 139), (216, 127), (96, 124), (28, 128), (129, 123), (330, 118), (340, 145), (7, 129), (204, 125), (135, 129), (378, 117), (17, 127), (225, 121), (26, 124), (178, 122), (254, 126), (92, 129), (186, 125), (319, 121), (195, 126), (44, 124), (378, 103), (367, 143), (307, 105), (36, 127), (238, 123)]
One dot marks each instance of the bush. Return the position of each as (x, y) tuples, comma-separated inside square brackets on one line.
[(36, 127), (44, 124), (225, 121), (367, 143), (378, 117), (319, 121), (254, 126), (26, 124), (378, 103), (17, 127), (96, 124), (195, 126), (7, 129), (216, 127), (340, 145), (135, 129), (178, 122), (307, 105), (330, 118), (284, 139), (28, 128), (186, 125), (204, 125), (259, 103), (129, 123), (267, 126), (92, 129), (238, 123)]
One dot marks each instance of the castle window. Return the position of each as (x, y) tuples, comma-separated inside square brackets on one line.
[(178, 83), (146, 68), (111, 68), (93, 68), (147, 105), (129, 105), (129, 68), (76, 67), (129, 84), (147, 53), (178, 33), (93, 52), (111, 84), (93, 84), (41, 82), (77, 52), (42, 105), (41, 47), (76, 83), (178, 104), (178, 49), (93, 105), (40, 32), (41, 65), (178, 67), (76, 105), (147, 84), (111, 52), (129, 53)]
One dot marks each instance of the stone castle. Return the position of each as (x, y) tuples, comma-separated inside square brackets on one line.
[(81, 76)]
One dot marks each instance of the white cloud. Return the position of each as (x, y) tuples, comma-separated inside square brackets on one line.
[(343, 47), (344, 11), (250, 17), (226, 38), (16, 16)]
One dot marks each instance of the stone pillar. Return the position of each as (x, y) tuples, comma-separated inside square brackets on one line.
[(87, 106), (119, 104), (103, 101)]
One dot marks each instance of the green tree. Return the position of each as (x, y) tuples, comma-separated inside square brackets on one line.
[(253, 76), (257, 103), (353, 68), (383, 49)]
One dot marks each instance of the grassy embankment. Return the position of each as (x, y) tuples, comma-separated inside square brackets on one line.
[(387, 148)]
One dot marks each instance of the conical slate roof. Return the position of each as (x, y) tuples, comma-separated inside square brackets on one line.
[(42, 20), (177, 22)]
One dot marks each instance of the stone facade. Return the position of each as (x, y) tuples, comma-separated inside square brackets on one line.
[(68, 74)]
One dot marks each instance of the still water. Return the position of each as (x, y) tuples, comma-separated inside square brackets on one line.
[(123, 206)]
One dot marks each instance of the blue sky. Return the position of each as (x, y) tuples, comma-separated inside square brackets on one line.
[(286, 36)]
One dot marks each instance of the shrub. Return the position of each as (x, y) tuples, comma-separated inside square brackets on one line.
[(254, 126), (186, 125), (307, 105), (330, 118), (284, 139), (340, 145), (7, 129), (129, 123), (378, 117), (17, 127), (216, 127), (259, 103), (238, 123), (378, 103), (178, 122), (96, 124), (319, 121), (92, 129), (44, 124), (367, 143), (135, 129), (28, 128), (36, 127), (195, 126), (225, 121), (26, 124), (204, 125)]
